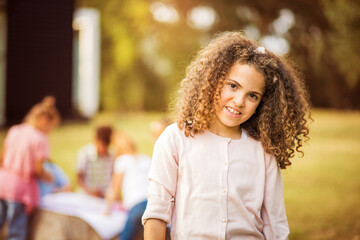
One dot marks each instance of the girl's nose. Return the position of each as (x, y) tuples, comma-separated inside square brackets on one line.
[(239, 100)]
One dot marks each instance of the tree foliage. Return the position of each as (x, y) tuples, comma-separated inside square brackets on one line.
[(143, 60)]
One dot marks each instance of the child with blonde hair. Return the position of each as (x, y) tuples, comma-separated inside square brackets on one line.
[(26, 148), (157, 127), (215, 174), (130, 177)]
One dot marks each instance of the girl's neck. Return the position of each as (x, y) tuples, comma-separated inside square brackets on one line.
[(126, 152), (233, 133), (37, 126)]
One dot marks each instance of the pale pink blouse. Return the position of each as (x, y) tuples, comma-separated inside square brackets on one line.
[(210, 187), (23, 146)]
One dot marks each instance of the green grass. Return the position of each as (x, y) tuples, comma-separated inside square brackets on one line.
[(322, 190)]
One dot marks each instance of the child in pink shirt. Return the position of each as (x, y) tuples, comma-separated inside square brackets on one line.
[(26, 147), (215, 174)]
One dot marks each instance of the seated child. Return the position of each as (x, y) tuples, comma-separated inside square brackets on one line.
[(61, 181), (157, 127), (131, 178), (95, 164)]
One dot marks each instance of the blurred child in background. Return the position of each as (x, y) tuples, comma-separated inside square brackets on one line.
[(26, 147), (60, 183), (95, 164), (157, 127), (130, 177)]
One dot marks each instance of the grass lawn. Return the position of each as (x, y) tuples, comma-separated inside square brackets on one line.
[(322, 190)]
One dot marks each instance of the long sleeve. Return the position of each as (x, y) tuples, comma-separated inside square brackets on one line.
[(163, 179), (273, 209)]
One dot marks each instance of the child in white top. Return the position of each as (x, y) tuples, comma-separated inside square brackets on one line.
[(243, 114), (130, 177)]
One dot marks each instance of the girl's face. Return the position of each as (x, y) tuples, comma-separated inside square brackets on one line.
[(123, 144), (45, 124), (243, 89)]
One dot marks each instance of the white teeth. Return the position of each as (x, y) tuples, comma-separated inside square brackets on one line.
[(233, 111)]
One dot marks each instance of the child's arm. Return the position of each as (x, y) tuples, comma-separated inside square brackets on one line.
[(273, 209), (66, 188), (113, 191), (41, 173), (2, 154), (154, 229), (62, 181), (163, 177), (81, 183)]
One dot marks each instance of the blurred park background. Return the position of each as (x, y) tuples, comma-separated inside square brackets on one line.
[(119, 62)]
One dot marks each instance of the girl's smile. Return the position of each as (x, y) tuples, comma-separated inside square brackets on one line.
[(243, 89), (233, 111)]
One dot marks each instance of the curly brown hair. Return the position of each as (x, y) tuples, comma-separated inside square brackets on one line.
[(280, 121)]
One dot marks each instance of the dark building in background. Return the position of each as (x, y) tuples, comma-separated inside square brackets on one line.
[(39, 55)]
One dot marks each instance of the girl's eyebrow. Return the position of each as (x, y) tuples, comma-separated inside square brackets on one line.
[(238, 84)]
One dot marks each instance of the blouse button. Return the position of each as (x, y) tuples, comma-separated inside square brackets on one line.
[(224, 220)]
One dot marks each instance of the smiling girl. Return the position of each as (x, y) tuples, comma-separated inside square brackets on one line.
[(215, 173)]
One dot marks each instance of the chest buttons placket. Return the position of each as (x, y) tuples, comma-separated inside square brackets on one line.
[(224, 190)]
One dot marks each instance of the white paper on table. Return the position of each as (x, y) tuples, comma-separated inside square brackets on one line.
[(88, 208)]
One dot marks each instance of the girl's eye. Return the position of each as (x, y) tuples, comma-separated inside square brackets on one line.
[(232, 85), (253, 96)]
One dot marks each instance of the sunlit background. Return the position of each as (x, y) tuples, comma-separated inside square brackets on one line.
[(131, 55), (151, 42), (120, 61)]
